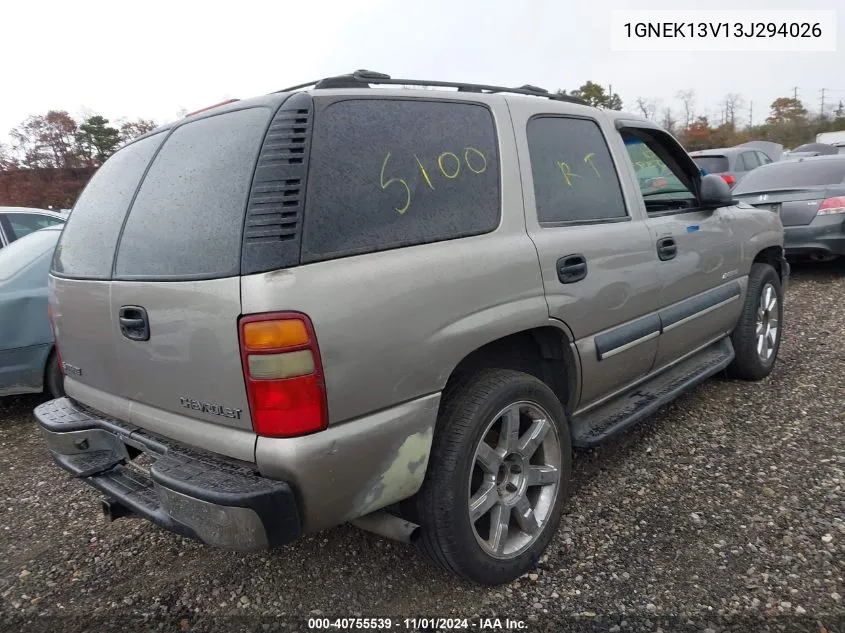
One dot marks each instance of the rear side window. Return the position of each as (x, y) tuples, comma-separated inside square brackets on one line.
[(25, 223), (784, 175), (388, 173), (187, 219), (575, 179), (86, 248), (750, 160), (712, 164)]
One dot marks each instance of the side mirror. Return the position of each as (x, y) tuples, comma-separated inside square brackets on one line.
[(715, 192)]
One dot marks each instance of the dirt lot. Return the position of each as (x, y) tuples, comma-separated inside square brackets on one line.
[(724, 511)]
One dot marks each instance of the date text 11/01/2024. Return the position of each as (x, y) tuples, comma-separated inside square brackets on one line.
[(722, 29), (416, 624)]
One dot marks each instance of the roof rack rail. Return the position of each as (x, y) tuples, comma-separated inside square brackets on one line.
[(363, 79)]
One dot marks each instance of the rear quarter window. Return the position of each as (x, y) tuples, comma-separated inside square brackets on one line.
[(387, 173)]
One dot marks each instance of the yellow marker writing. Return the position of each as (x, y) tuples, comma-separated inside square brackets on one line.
[(567, 172), (457, 165), (386, 183), (469, 164), (424, 173), (589, 160)]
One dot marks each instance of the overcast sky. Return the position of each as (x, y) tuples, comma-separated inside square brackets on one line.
[(153, 58)]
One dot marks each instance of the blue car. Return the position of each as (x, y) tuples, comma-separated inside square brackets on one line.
[(28, 361)]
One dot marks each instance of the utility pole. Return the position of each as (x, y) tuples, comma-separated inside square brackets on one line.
[(751, 114), (822, 106), (795, 92)]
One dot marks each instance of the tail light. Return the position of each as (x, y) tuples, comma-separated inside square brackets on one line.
[(832, 206), (728, 179), (283, 374), (55, 338)]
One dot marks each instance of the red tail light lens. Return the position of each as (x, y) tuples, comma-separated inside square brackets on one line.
[(832, 206), (728, 179), (283, 374)]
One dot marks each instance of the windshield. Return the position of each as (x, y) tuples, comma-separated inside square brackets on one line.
[(712, 164), (805, 173)]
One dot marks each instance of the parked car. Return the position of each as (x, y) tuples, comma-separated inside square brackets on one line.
[(28, 360), (341, 316), (809, 196), (15, 222), (813, 149), (731, 163), (837, 139)]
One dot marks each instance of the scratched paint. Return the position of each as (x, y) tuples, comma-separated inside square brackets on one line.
[(402, 476)]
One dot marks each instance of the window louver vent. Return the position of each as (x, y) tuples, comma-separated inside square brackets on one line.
[(276, 200)]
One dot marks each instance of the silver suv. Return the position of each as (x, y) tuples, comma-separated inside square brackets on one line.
[(402, 308)]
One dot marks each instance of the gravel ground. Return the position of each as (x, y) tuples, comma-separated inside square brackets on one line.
[(725, 511)]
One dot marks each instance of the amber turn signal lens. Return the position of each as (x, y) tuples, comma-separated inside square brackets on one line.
[(275, 334)]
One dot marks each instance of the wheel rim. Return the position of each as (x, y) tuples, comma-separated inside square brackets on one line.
[(514, 480), (768, 323)]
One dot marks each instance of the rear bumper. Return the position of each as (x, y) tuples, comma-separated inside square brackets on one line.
[(824, 235), (199, 495)]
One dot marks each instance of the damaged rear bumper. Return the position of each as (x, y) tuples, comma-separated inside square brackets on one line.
[(199, 495)]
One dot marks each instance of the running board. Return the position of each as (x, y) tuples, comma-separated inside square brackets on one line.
[(599, 424)]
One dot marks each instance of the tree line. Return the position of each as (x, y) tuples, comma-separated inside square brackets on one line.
[(787, 120), (56, 140)]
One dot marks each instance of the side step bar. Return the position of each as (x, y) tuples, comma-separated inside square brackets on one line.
[(597, 425)]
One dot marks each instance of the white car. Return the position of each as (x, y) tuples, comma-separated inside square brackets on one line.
[(15, 222)]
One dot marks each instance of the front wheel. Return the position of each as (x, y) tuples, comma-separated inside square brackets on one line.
[(497, 477), (756, 337)]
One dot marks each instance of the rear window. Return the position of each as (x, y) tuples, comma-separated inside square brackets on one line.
[(804, 173), (712, 164), (187, 219), (387, 173), (86, 248)]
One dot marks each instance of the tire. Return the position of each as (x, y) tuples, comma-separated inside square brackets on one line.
[(477, 409), (53, 378), (758, 311)]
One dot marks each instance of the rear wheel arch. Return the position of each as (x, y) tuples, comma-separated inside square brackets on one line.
[(53, 378), (545, 352)]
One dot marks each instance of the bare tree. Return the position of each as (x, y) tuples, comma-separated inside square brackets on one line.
[(7, 158), (668, 121), (687, 98), (732, 104), (648, 107)]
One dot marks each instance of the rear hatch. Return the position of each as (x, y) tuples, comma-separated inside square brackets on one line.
[(146, 301), (794, 189)]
